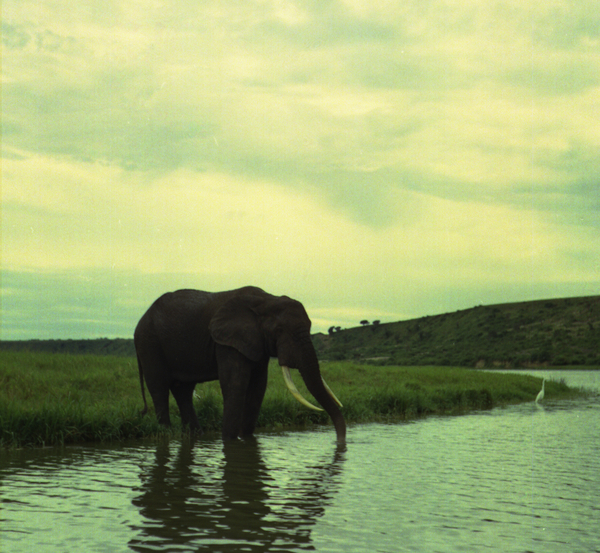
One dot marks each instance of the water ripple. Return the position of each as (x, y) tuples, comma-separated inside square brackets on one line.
[(508, 480)]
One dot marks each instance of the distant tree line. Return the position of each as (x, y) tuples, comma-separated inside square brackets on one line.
[(364, 322), (100, 346)]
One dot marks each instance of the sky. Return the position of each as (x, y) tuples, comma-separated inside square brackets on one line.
[(380, 160)]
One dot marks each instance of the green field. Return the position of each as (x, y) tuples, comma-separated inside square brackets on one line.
[(49, 399)]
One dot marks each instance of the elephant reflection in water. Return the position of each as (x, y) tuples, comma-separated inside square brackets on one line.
[(228, 502)]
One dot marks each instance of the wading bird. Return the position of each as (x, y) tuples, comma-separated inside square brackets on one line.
[(540, 396)]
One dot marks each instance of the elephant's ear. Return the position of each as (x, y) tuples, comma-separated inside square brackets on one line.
[(235, 324)]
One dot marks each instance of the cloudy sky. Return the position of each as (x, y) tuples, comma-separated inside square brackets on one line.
[(374, 160)]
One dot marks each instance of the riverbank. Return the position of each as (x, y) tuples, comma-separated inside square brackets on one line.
[(50, 399)]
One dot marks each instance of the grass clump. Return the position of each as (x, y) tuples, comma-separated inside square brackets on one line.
[(48, 399)]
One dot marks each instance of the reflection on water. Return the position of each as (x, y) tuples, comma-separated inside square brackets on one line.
[(229, 500), (511, 480)]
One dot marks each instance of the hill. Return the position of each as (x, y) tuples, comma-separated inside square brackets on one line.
[(544, 332)]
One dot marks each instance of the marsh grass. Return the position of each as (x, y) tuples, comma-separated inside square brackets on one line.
[(48, 399)]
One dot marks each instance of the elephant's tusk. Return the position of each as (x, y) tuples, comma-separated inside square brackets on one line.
[(292, 388), (331, 393)]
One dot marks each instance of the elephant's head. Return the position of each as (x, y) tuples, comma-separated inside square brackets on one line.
[(258, 324)]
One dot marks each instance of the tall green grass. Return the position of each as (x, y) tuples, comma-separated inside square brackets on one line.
[(371, 394), (48, 399)]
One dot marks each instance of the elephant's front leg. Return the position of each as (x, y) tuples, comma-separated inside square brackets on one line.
[(234, 376), (254, 397)]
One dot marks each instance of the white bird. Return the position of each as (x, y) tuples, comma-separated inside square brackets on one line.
[(540, 396)]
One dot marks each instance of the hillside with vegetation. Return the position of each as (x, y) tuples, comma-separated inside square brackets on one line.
[(555, 332)]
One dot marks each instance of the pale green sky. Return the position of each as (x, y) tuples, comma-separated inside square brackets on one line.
[(374, 160)]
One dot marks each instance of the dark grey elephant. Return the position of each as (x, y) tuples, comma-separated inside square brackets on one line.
[(189, 336)]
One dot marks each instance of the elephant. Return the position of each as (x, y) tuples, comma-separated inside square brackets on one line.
[(191, 336)]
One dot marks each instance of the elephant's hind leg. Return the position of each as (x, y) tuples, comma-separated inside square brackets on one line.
[(156, 382), (183, 392), (160, 398)]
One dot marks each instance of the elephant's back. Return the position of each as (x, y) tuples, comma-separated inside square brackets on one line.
[(186, 312), (194, 301), (184, 300)]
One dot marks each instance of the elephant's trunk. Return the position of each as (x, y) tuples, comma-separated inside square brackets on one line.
[(309, 370)]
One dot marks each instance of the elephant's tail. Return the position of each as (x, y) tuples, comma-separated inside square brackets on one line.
[(145, 409)]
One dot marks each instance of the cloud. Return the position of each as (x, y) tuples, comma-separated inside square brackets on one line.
[(105, 226), (441, 146)]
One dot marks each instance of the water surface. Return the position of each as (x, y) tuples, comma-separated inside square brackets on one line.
[(523, 478)]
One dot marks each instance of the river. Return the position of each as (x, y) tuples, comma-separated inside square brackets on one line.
[(516, 479)]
